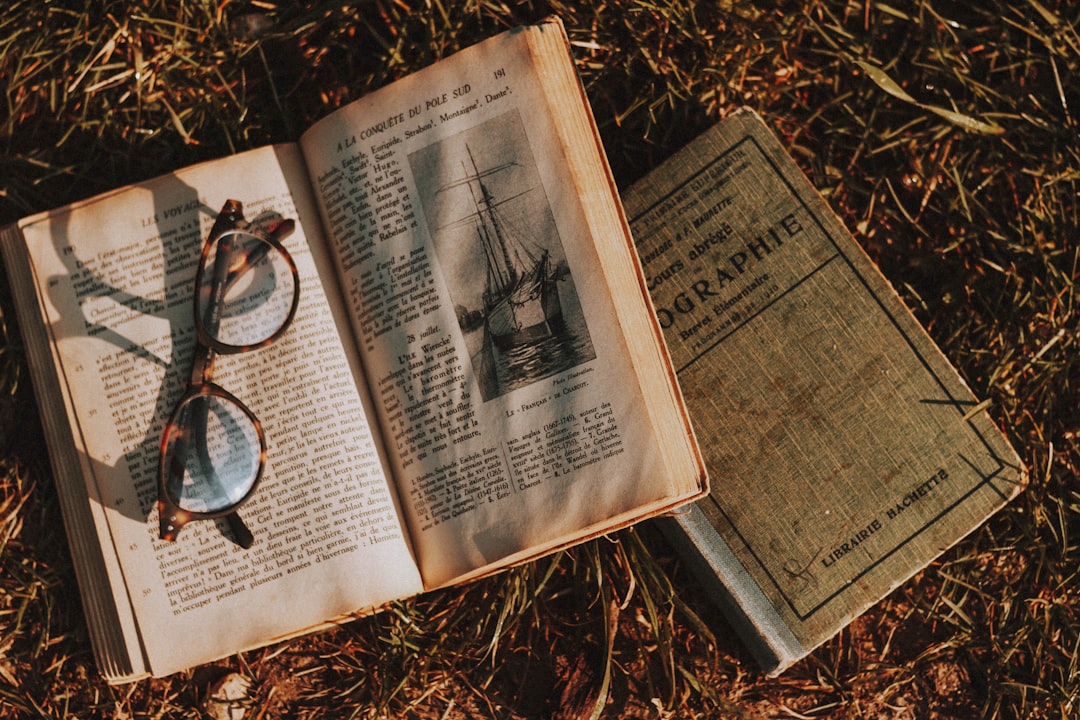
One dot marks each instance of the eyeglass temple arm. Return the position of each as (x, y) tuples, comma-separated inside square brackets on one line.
[(241, 534), (202, 365), (232, 216)]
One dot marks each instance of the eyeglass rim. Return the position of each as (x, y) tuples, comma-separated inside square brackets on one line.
[(167, 500), (203, 335)]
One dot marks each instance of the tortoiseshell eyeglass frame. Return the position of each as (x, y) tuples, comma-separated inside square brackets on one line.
[(230, 222)]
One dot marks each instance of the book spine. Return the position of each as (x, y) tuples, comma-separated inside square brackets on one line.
[(724, 578)]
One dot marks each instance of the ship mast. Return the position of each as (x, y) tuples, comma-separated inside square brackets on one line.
[(506, 272)]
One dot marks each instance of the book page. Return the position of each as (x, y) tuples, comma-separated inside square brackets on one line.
[(515, 416), (115, 275)]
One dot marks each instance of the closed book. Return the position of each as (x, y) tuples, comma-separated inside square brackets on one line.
[(845, 451)]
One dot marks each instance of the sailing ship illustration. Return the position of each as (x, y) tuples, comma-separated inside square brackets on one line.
[(521, 297)]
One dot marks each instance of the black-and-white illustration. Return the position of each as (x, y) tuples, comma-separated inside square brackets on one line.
[(501, 255)]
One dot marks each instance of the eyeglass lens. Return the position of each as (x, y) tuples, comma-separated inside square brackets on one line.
[(213, 454), (246, 290)]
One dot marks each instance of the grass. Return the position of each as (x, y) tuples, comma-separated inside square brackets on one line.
[(944, 133)]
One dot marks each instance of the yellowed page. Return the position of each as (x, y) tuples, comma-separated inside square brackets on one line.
[(115, 276), (507, 440)]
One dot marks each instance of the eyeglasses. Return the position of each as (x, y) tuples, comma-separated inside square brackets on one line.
[(213, 450)]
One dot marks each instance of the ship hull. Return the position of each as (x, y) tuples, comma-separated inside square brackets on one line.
[(532, 312)]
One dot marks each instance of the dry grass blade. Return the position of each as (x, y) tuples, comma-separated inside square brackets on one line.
[(886, 83)]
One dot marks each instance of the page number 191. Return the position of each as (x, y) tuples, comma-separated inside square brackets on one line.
[(500, 73)]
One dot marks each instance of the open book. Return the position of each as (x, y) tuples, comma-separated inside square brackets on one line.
[(417, 437), (845, 452)]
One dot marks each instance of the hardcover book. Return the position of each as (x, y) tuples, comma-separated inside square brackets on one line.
[(845, 452), (286, 387)]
